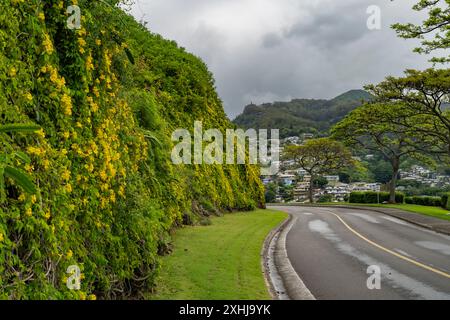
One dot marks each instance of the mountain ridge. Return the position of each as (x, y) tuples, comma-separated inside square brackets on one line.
[(300, 116)]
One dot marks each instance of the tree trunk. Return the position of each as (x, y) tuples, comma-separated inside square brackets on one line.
[(311, 187), (393, 183)]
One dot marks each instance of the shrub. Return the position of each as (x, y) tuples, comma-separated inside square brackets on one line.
[(445, 201), (372, 197), (325, 198), (424, 201)]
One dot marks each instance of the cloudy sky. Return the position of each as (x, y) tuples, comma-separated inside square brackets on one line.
[(276, 50)]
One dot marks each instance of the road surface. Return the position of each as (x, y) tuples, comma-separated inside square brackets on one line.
[(332, 250)]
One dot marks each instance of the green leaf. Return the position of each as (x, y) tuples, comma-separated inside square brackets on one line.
[(22, 156), (2, 185), (19, 128), (20, 178)]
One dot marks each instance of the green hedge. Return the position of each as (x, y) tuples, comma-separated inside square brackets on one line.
[(445, 201), (424, 201), (107, 97), (374, 197)]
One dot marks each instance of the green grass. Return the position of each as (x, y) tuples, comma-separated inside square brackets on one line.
[(220, 261)]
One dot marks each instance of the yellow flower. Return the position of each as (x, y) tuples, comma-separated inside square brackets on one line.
[(47, 215), (66, 175), (41, 16), (89, 64), (22, 197), (33, 199), (12, 72), (98, 42), (69, 254), (66, 135), (29, 212), (41, 133), (69, 188), (46, 164), (2, 237), (48, 45), (81, 42), (29, 96), (92, 297), (66, 102), (103, 176)]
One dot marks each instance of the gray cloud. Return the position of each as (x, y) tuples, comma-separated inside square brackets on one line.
[(266, 50)]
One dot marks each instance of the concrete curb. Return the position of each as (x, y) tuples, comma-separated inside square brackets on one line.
[(436, 226), (283, 281)]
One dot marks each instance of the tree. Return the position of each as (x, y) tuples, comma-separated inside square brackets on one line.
[(425, 94), (436, 26), (371, 127), (271, 193), (318, 157), (320, 182)]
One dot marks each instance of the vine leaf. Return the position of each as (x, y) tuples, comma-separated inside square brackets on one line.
[(20, 178)]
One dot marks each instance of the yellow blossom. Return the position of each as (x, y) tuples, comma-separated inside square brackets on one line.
[(66, 175), (69, 254), (29, 212), (47, 215), (41, 16), (48, 45), (12, 72), (22, 197), (2, 237), (33, 199), (41, 133), (89, 64), (29, 96), (69, 188), (66, 103)]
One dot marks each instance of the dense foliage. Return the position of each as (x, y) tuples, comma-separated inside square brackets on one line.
[(374, 197), (107, 97), (301, 115)]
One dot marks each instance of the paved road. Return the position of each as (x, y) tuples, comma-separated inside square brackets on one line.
[(331, 249)]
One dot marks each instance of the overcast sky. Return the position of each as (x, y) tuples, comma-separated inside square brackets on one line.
[(277, 50)]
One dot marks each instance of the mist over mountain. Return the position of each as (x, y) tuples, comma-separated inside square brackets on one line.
[(301, 115)]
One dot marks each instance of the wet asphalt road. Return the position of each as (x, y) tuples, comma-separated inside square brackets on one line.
[(332, 248)]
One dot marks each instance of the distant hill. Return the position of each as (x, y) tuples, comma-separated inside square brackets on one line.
[(301, 115)]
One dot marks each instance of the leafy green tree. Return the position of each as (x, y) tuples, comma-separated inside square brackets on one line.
[(271, 193), (419, 101), (371, 127), (434, 32), (320, 182), (318, 157)]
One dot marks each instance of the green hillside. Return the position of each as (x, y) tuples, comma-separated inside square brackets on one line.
[(108, 97), (301, 115)]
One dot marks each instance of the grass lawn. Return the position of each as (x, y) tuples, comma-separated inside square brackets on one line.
[(220, 261)]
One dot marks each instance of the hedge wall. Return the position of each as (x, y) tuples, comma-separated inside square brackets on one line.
[(425, 201), (374, 197), (107, 97)]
